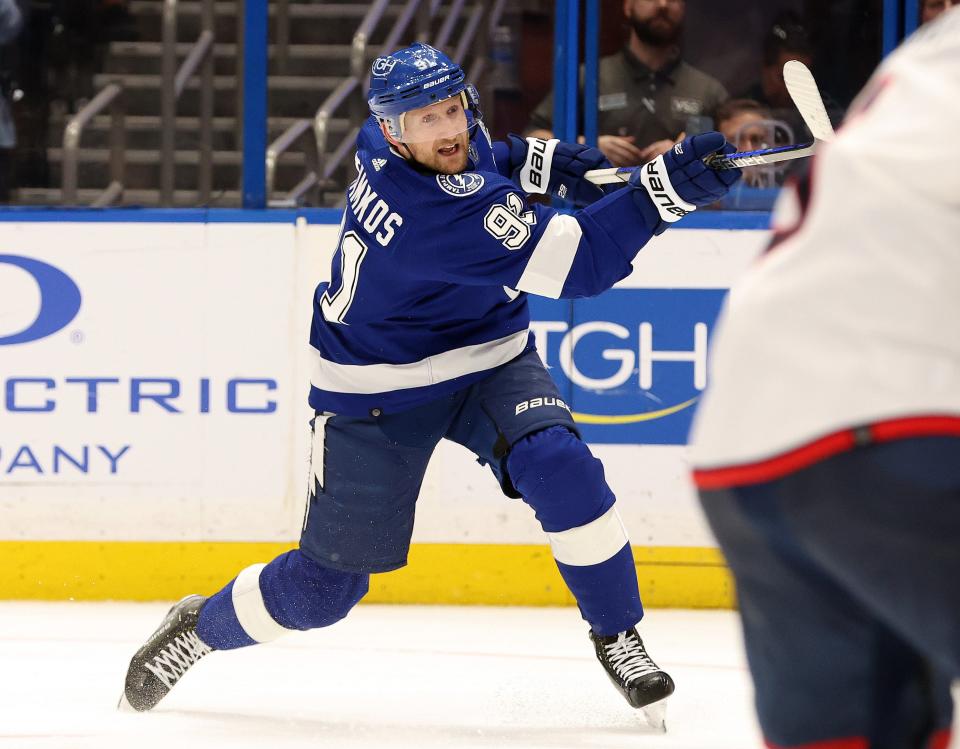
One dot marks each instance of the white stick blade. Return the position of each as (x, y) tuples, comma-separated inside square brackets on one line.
[(806, 96)]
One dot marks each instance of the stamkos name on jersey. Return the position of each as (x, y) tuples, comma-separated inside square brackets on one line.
[(537, 403), (369, 214)]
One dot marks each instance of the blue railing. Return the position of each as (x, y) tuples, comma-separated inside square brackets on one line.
[(254, 103)]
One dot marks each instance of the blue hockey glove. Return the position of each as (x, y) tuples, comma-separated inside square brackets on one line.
[(674, 184), (550, 167)]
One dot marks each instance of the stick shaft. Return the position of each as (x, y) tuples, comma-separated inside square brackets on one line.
[(730, 161)]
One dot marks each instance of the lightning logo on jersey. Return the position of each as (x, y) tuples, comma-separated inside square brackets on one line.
[(460, 185)]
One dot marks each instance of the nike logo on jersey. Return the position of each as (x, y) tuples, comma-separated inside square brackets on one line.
[(371, 211)]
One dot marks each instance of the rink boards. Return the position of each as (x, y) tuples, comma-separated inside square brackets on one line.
[(154, 421)]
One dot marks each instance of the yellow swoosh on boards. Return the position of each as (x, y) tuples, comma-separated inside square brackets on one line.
[(631, 418)]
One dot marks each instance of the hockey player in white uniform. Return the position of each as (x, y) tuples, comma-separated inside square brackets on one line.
[(827, 447), (422, 334)]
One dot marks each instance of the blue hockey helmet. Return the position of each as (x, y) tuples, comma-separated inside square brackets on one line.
[(415, 77)]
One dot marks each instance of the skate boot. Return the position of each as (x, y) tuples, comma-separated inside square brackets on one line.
[(165, 657), (635, 674)]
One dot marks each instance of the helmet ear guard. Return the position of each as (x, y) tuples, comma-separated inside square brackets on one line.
[(394, 125)]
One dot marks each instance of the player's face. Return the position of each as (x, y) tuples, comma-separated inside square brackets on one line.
[(438, 135), (438, 121), (446, 155)]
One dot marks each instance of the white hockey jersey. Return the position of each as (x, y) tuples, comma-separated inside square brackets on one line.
[(847, 331)]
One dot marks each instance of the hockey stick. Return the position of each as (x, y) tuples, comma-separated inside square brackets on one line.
[(728, 161), (805, 95)]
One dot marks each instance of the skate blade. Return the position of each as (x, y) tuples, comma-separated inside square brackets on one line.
[(656, 715), (123, 705)]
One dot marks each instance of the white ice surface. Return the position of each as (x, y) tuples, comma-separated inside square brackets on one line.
[(411, 677), (387, 676)]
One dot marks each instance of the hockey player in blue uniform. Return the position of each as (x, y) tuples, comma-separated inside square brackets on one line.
[(422, 334)]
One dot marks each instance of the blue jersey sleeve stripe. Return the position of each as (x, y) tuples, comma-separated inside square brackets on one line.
[(551, 259)]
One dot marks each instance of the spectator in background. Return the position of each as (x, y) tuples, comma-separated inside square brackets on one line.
[(749, 126), (786, 40), (743, 123), (11, 22), (930, 9), (649, 97)]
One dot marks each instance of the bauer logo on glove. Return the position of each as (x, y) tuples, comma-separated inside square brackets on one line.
[(671, 206), (551, 167), (679, 181)]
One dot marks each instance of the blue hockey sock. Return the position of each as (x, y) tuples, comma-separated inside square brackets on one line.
[(218, 625), (606, 593), (265, 601)]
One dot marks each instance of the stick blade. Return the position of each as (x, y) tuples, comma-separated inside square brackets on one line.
[(806, 96)]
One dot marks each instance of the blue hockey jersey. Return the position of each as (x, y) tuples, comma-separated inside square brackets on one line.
[(429, 282)]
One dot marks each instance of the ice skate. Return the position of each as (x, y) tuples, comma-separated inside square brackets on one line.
[(635, 674), (165, 657)]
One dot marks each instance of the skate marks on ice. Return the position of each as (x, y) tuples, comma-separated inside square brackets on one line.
[(399, 676)]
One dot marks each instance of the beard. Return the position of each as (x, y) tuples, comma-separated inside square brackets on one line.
[(427, 156), (658, 31)]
